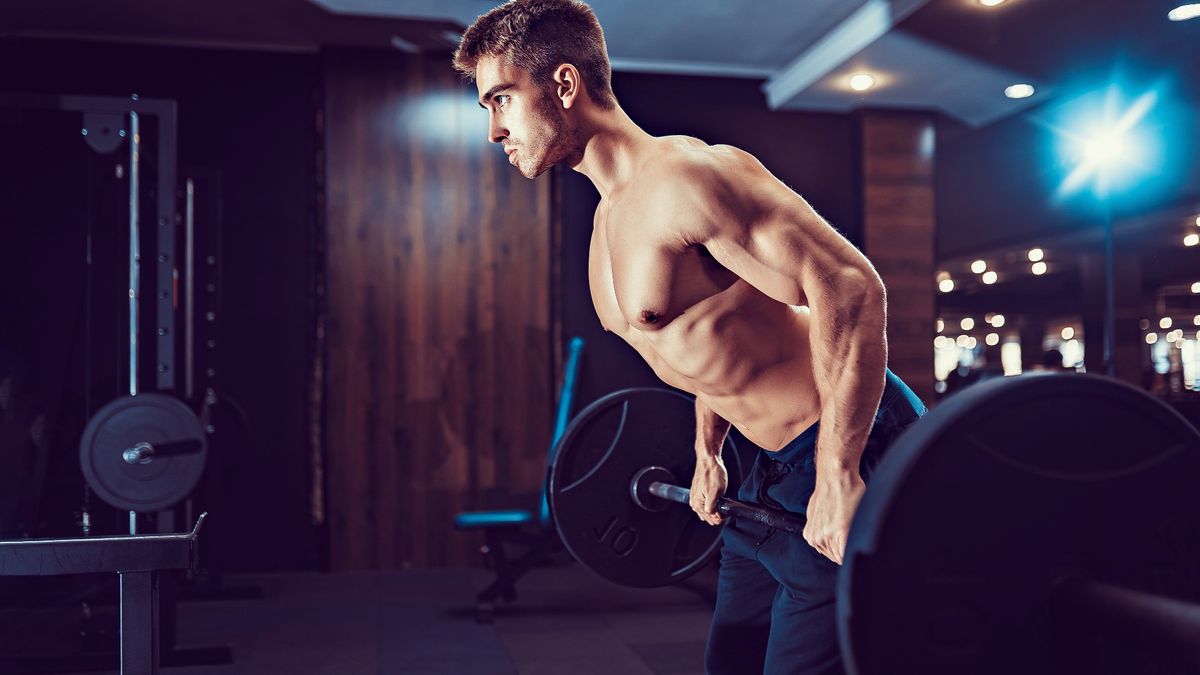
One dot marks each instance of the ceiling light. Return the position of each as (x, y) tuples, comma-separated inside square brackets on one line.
[(1196, 287), (991, 3), (1183, 12), (992, 339), (861, 81), (1191, 240), (1036, 254), (978, 266), (946, 285), (967, 323), (961, 341), (1019, 91), (1068, 333), (971, 342), (1164, 322), (1151, 338), (1196, 320), (989, 278), (998, 320), (940, 341), (1039, 268)]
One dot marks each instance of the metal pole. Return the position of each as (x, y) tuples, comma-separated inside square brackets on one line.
[(139, 622), (1162, 626), (1110, 366), (135, 259), (189, 291)]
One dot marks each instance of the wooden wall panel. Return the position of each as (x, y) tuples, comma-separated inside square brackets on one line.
[(439, 375), (898, 235)]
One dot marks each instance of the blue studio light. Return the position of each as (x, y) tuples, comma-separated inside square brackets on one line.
[(1108, 142)]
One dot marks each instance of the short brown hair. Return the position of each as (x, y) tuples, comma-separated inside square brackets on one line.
[(537, 36)]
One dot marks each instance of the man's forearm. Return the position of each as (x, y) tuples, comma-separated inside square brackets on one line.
[(711, 430), (849, 352)]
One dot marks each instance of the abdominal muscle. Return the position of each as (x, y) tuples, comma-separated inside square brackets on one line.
[(745, 356)]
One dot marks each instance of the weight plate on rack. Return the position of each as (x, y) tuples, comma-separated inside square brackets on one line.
[(143, 453)]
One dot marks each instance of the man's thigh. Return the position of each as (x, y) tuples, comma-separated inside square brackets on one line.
[(746, 591)]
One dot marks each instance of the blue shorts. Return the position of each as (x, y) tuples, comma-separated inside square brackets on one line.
[(775, 608)]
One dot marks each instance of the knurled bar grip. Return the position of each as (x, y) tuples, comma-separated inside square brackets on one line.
[(773, 518)]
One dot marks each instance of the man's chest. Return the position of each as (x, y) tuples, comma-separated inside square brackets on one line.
[(643, 278)]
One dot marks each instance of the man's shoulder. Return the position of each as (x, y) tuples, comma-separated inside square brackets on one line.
[(699, 173), (687, 155)]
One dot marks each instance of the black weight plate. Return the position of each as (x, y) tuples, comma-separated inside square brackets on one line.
[(588, 488), (977, 509), (122, 424)]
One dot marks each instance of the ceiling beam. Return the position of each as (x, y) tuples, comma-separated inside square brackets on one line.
[(866, 25)]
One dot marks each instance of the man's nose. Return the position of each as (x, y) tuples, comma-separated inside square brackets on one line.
[(496, 133)]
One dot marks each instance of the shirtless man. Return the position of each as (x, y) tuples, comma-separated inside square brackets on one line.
[(705, 264)]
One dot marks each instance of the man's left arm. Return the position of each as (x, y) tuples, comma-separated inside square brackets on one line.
[(768, 235)]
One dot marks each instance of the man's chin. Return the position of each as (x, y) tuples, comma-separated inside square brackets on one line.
[(537, 171)]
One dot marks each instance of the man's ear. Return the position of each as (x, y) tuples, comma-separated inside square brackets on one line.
[(567, 83)]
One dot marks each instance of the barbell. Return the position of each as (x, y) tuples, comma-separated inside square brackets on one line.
[(1045, 523)]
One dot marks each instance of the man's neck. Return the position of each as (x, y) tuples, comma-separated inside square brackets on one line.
[(612, 151)]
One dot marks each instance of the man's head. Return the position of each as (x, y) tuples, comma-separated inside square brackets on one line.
[(532, 60)]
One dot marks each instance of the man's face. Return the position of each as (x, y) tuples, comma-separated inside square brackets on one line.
[(524, 118)]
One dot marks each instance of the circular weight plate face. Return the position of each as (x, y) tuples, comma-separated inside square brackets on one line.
[(589, 478), (152, 418), (977, 509)]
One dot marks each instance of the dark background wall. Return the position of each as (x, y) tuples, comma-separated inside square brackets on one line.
[(815, 154), (246, 123), (439, 355)]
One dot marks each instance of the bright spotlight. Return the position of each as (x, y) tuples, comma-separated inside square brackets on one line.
[(1164, 322), (992, 339), (940, 341), (989, 278), (978, 266), (1191, 240), (998, 320), (1068, 333), (1109, 148), (1106, 147), (861, 82), (941, 325), (946, 285), (967, 323), (1019, 91), (1196, 287), (1036, 254), (991, 3), (1038, 268), (1184, 12)]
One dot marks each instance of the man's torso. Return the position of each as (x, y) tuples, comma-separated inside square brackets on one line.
[(700, 327)]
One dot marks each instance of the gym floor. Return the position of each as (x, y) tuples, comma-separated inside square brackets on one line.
[(566, 620)]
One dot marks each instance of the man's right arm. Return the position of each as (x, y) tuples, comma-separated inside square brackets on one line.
[(710, 479)]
